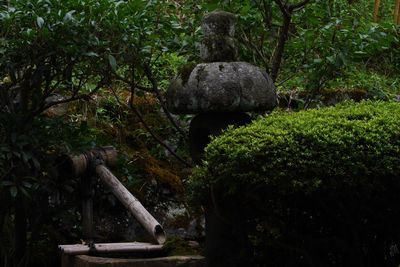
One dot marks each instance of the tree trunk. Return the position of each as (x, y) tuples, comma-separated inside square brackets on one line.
[(283, 36)]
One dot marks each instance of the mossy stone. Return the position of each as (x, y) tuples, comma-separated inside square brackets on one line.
[(218, 48), (219, 23)]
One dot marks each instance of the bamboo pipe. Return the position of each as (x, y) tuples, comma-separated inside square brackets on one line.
[(78, 165), (80, 249), (131, 203), (93, 160), (376, 10)]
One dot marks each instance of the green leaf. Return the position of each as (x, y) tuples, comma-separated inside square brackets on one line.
[(68, 16), (91, 54), (113, 62), (25, 192), (39, 22), (13, 191), (331, 59), (27, 184), (36, 163), (7, 183)]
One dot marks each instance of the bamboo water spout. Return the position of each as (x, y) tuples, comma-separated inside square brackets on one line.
[(93, 162), (131, 203)]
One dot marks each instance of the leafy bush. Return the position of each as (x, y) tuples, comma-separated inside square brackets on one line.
[(313, 188), (327, 148), (53, 52)]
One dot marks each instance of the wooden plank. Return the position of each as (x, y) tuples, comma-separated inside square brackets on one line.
[(81, 249), (131, 203)]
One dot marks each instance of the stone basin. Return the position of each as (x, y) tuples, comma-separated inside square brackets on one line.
[(222, 87)]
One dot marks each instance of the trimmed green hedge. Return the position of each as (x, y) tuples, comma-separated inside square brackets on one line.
[(313, 188), (330, 147)]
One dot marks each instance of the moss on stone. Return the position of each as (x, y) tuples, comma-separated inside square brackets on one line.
[(219, 48), (185, 71), (176, 246), (222, 21)]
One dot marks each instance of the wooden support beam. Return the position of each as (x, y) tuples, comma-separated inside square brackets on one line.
[(79, 165), (80, 249), (87, 208)]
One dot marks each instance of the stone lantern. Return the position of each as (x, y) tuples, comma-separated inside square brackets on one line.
[(221, 90)]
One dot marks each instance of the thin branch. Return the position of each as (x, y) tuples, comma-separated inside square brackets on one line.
[(298, 6), (253, 46), (132, 83), (149, 74), (74, 97), (140, 116), (287, 12), (285, 80), (143, 88), (282, 7)]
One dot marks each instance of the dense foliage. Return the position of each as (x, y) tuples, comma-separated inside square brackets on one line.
[(57, 52), (346, 145), (311, 184)]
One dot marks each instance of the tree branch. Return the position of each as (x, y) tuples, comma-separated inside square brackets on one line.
[(298, 6), (283, 8), (74, 97), (149, 74), (140, 117), (287, 12)]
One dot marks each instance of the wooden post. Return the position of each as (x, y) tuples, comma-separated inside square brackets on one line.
[(87, 208), (131, 203), (376, 10), (397, 12)]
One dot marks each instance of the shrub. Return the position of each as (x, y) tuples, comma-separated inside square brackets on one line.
[(54, 52), (313, 188)]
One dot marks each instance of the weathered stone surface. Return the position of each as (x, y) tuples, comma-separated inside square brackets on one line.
[(222, 87), (183, 261), (219, 23), (218, 44), (217, 48)]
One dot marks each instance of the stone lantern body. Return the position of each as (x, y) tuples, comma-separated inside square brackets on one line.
[(219, 92)]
